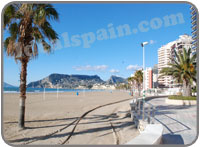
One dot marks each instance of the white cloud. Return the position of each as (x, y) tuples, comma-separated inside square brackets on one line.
[(152, 41), (100, 67), (114, 71), (91, 68), (133, 67)]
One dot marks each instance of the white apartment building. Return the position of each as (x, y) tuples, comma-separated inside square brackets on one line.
[(166, 53)]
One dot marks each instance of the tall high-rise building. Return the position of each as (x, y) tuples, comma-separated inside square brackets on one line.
[(165, 55), (193, 12)]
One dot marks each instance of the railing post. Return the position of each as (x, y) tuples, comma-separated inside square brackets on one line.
[(143, 112), (153, 114), (132, 105), (136, 107)]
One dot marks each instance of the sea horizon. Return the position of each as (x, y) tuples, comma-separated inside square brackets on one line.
[(48, 90)]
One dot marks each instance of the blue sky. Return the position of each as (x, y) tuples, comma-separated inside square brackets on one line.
[(104, 57)]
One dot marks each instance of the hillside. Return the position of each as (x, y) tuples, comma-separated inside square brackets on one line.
[(66, 81)]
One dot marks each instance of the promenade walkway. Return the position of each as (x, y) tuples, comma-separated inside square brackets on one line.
[(180, 122)]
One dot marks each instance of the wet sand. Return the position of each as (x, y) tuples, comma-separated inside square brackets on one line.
[(46, 114)]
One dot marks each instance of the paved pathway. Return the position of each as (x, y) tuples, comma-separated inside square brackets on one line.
[(180, 122)]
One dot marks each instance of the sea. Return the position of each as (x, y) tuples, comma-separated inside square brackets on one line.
[(47, 90)]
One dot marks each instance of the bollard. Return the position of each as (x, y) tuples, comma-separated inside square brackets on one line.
[(136, 109), (44, 94), (139, 108), (133, 109), (143, 112), (132, 115), (149, 112)]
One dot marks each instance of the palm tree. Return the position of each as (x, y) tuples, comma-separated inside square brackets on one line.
[(131, 84), (182, 69), (138, 78), (130, 81), (28, 25)]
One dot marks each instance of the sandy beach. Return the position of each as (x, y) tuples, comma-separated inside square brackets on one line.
[(49, 118)]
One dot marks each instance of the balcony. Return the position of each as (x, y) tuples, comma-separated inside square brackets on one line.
[(193, 12), (194, 37), (194, 42), (192, 8), (194, 17), (194, 22), (194, 47), (194, 27), (194, 32)]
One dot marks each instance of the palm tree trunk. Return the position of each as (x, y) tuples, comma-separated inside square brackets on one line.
[(22, 99), (186, 88)]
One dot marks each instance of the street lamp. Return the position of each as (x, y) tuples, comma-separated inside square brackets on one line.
[(143, 44)]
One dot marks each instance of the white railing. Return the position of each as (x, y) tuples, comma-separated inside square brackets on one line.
[(142, 110)]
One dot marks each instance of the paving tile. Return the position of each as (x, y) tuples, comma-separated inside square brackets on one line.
[(180, 122)]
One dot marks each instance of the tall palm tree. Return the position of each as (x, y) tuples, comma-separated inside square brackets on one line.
[(137, 79), (182, 69), (28, 25)]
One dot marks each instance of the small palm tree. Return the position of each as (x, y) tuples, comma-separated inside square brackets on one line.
[(182, 69), (130, 81), (28, 24)]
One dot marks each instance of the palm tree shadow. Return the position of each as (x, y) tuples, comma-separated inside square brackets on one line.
[(95, 120), (46, 120)]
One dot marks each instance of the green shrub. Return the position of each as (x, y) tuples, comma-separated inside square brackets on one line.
[(194, 89), (178, 97)]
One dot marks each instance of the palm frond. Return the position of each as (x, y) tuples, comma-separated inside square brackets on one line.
[(37, 34), (46, 46), (193, 58), (176, 56), (49, 32), (35, 50), (6, 42), (9, 14), (51, 13), (13, 29), (184, 54), (11, 48)]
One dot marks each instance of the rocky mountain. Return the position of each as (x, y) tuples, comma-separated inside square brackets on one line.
[(116, 80), (66, 81), (5, 85)]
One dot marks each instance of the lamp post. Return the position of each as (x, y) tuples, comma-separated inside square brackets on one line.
[(143, 98), (143, 44)]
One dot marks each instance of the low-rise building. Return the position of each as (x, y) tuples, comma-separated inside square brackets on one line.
[(148, 78)]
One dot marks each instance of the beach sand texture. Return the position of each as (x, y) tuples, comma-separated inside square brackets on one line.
[(45, 115)]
